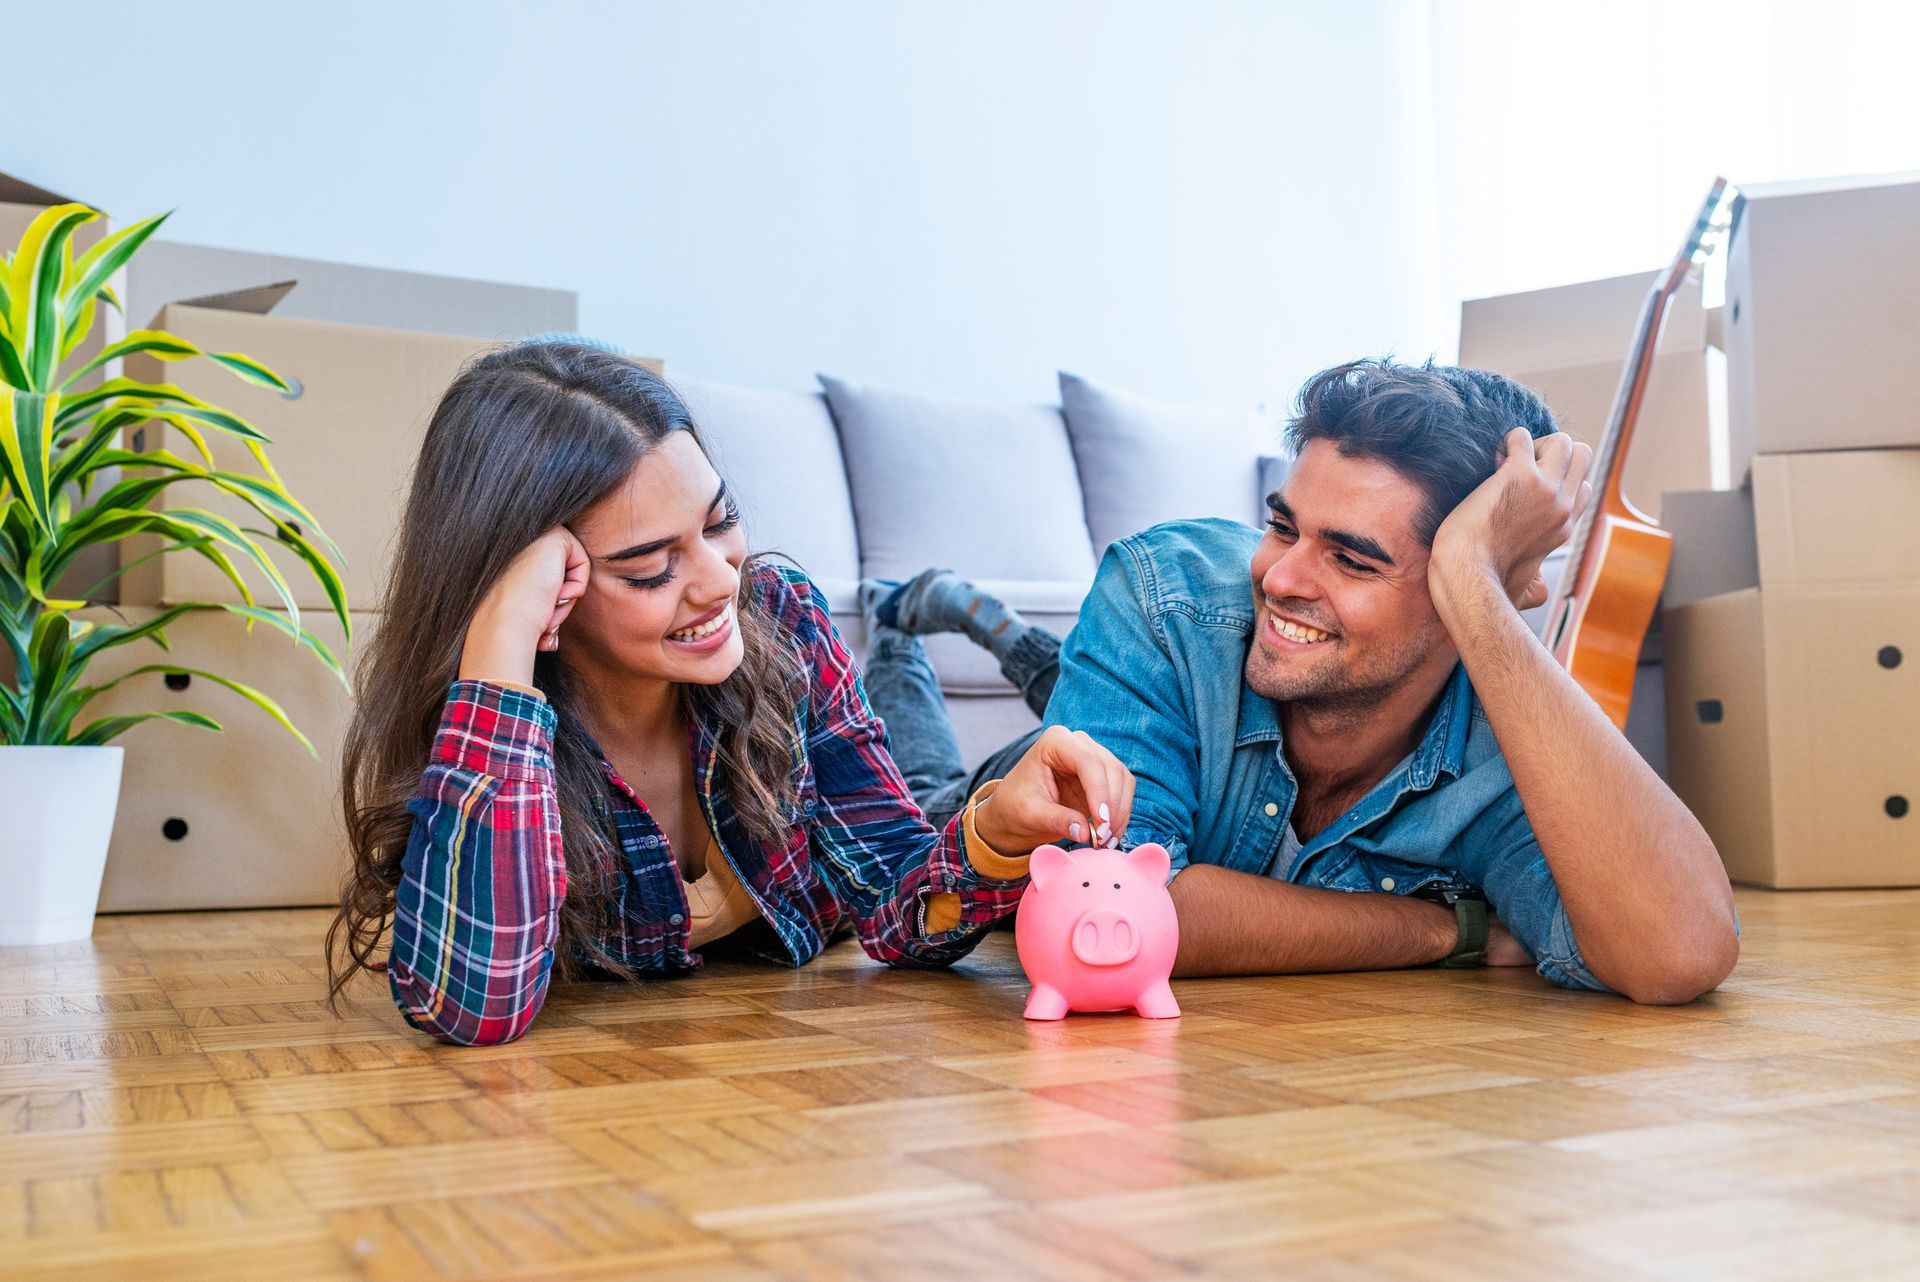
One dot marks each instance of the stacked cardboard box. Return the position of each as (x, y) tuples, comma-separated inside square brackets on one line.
[(246, 817), (1792, 626), (1569, 344), (242, 818)]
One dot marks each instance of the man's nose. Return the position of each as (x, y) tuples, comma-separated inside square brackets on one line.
[(1290, 576)]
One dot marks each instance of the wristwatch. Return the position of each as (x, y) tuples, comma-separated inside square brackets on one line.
[(1469, 904)]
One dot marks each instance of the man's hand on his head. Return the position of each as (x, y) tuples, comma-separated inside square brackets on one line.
[(1508, 525)]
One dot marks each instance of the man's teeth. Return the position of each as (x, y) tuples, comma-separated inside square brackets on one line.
[(706, 629), (1298, 631)]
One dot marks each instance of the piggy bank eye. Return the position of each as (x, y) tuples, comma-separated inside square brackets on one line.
[(1086, 883), (1116, 885)]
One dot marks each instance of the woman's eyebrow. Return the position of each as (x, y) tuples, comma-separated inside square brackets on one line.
[(648, 549)]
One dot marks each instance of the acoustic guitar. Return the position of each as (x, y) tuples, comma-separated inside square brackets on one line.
[(1619, 555)]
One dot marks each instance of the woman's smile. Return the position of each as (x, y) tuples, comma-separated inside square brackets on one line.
[(709, 632)]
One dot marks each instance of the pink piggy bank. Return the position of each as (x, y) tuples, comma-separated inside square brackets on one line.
[(1097, 931)]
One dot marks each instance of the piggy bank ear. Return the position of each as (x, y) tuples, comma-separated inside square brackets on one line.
[(1047, 860), (1151, 859)]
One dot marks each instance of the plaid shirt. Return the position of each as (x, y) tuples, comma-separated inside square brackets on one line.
[(476, 917)]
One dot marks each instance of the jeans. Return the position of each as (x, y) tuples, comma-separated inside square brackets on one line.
[(905, 693)]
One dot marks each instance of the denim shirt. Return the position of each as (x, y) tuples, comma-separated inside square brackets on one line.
[(1155, 671)]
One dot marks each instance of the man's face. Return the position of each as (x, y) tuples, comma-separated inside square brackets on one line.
[(1342, 613)]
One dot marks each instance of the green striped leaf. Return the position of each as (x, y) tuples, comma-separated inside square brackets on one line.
[(98, 732), (26, 443), (38, 270), (169, 347), (97, 265), (234, 536), (248, 693)]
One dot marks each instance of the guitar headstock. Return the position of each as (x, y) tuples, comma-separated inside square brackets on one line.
[(1707, 235)]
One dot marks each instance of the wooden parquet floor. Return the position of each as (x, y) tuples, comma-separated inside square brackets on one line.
[(176, 1102)]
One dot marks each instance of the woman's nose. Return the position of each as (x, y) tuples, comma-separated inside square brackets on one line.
[(715, 577)]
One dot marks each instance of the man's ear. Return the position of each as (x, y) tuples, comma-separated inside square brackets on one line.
[(1046, 861), (1151, 859)]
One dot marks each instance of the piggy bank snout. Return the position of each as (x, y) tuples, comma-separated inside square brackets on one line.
[(1105, 937)]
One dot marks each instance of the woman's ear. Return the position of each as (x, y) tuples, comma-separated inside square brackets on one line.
[(1047, 860)]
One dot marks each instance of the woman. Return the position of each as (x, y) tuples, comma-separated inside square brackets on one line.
[(593, 735)]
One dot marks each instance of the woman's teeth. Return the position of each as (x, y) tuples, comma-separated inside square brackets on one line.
[(1298, 631), (706, 629)]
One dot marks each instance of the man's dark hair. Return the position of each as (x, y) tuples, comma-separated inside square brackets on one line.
[(1440, 426)]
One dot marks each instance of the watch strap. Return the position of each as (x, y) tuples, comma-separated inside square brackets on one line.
[(1470, 948)]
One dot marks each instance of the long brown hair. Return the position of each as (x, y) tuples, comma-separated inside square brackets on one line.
[(529, 437)]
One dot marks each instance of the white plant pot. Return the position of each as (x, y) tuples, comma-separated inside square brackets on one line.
[(56, 818)]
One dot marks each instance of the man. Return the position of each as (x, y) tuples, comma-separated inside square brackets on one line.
[(1345, 733)]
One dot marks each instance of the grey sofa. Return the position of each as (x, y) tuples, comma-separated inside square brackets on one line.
[(860, 482)]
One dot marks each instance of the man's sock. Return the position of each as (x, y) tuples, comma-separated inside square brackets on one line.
[(942, 601)]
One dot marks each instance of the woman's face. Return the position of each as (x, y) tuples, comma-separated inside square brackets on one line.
[(666, 549)]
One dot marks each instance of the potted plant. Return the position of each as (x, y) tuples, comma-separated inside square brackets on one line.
[(62, 417)]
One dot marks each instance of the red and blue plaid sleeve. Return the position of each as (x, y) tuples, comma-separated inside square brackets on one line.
[(477, 909), (869, 839)]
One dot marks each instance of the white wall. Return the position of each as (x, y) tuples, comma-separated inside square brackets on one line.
[(1576, 140), (1199, 199), (1202, 201)]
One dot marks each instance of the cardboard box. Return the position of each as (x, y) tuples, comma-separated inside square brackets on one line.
[(1569, 344), (242, 817), (1820, 324), (1792, 701), (344, 444), (166, 271), (1791, 716), (1713, 544), (20, 203), (1845, 518)]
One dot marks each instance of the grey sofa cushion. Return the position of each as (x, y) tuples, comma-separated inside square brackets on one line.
[(780, 455), (989, 490), (1273, 469), (1142, 461)]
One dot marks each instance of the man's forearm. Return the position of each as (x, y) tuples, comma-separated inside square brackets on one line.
[(1234, 923), (1643, 887)]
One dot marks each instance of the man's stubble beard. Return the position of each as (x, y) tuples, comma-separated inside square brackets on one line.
[(1332, 691)]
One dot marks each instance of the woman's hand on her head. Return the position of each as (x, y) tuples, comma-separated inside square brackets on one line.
[(1067, 788), (523, 610), (559, 545)]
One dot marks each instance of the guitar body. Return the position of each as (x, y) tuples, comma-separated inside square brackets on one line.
[(1615, 598)]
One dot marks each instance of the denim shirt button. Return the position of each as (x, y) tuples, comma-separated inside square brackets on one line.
[(1272, 810), (1386, 883), (677, 919)]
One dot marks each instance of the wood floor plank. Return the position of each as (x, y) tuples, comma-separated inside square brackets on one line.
[(178, 1101)]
